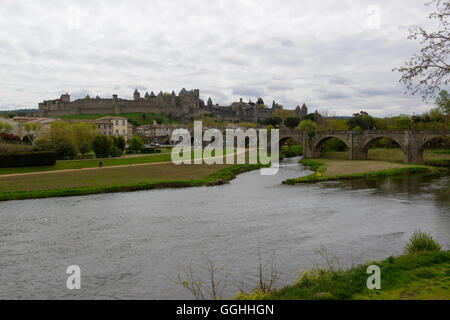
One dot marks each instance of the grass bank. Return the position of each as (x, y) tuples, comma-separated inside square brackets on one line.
[(118, 179), (413, 276), (329, 170)]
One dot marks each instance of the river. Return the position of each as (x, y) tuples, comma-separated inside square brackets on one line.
[(133, 245)]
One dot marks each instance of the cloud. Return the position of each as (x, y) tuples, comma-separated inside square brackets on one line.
[(248, 92), (228, 49)]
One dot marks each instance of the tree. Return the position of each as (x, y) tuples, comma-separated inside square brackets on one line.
[(273, 121), (84, 136), (136, 144), (120, 143), (381, 124), (59, 138), (308, 126), (32, 130), (335, 125), (292, 122), (362, 120), (5, 127), (443, 102), (102, 146), (402, 122), (428, 71)]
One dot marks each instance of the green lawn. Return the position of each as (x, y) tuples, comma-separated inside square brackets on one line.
[(93, 163)]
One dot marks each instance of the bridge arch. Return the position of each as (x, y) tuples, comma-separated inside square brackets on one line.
[(423, 142), (364, 151), (322, 139)]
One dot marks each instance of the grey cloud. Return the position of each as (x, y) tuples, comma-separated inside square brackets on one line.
[(227, 50), (248, 92)]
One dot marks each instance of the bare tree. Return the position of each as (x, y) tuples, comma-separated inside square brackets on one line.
[(428, 71)]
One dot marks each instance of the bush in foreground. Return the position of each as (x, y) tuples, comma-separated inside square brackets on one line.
[(421, 242)]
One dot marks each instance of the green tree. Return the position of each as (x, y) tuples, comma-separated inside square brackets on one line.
[(362, 120), (136, 144), (308, 126), (120, 143), (32, 130), (402, 122), (5, 127), (436, 115), (335, 125), (292, 122), (443, 102), (59, 138), (102, 146), (84, 136), (381, 124)]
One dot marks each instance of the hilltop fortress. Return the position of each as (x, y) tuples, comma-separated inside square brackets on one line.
[(186, 105)]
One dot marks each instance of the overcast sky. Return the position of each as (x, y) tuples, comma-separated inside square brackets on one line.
[(333, 55)]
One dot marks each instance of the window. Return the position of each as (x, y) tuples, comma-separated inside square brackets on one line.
[(105, 126), (123, 122), (117, 132), (117, 122), (99, 126), (123, 132)]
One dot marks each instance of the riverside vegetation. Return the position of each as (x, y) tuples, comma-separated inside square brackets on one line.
[(422, 273)]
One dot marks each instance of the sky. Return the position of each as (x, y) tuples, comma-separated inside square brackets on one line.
[(335, 56)]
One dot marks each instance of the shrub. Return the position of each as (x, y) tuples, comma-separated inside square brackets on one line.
[(420, 242), (27, 159), (148, 151), (136, 144), (102, 146), (116, 152), (292, 122)]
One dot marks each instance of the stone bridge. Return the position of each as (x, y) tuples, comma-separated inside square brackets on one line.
[(358, 142)]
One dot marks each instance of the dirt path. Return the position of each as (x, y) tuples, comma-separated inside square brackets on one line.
[(97, 168)]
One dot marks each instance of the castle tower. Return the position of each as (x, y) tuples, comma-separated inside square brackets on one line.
[(137, 95), (65, 98)]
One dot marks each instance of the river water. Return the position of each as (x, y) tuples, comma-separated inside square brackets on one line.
[(133, 245)]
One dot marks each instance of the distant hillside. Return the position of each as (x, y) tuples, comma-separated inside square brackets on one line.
[(20, 111)]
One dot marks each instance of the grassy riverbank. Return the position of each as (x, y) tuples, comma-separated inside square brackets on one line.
[(381, 163), (424, 275), (117, 179), (328, 170)]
